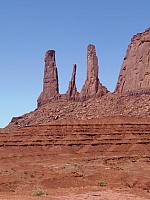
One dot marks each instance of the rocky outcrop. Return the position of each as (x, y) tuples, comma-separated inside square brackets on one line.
[(131, 97), (50, 82), (92, 86), (117, 134), (135, 72), (72, 93), (108, 105)]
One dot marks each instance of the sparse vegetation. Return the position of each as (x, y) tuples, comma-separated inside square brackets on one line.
[(39, 192), (102, 183)]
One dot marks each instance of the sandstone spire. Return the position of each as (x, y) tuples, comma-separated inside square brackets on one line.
[(135, 71), (50, 82), (72, 90), (92, 86)]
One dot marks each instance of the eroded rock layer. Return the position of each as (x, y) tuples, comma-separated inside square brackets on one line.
[(135, 72), (105, 133)]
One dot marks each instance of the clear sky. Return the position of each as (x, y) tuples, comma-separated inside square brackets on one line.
[(30, 27)]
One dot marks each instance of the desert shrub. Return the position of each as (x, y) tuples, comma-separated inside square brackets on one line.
[(102, 183), (39, 192)]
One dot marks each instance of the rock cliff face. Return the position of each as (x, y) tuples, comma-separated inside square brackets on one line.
[(135, 72), (50, 82), (72, 89), (92, 86)]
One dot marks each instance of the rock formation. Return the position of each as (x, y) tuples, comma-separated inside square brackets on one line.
[(92, 86), (50, 82), (134, 78), (72, 90), (135, 72)]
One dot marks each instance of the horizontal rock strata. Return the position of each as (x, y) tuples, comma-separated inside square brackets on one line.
[(119, 135)]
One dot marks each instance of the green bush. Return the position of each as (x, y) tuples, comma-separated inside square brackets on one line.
[(40, 192), (102, 183)]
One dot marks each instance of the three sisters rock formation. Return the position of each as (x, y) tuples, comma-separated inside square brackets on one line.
[(131, 95), (134, 77), (91, 88)]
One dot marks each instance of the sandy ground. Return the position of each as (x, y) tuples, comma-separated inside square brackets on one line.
[(103, 195), (72, 175)]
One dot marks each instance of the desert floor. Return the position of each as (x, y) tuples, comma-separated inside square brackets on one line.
[(72, 174)]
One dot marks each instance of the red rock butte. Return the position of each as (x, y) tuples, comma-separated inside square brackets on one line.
[(130, 98), (91, 144), (135, 71)]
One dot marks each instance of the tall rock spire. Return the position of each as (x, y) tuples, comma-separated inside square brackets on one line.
[(72, 90), (50, 81), (92, 86)]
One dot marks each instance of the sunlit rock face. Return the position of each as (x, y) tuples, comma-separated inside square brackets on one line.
[(135, 71), (72, 93), (92, 86), (50, 81)]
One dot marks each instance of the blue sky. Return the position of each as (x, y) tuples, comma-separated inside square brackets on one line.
[(28, 28)]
